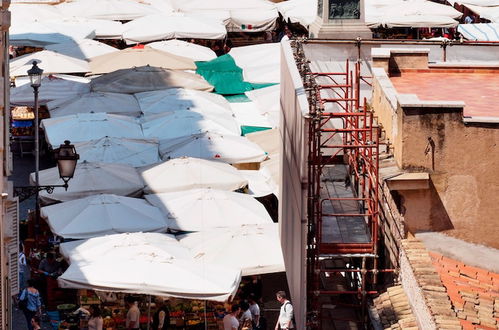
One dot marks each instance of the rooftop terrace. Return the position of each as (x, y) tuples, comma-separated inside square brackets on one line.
[(478, 88)]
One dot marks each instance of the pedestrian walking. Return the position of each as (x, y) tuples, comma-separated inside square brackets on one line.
[(30, 303), (286, 316), (230, 320)]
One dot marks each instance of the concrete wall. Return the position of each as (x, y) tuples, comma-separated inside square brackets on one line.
[(293, 187), (461, 158)]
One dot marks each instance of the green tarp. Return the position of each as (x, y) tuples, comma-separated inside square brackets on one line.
[(251, 129), (226, 76)]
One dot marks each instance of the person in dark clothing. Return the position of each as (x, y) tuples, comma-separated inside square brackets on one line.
[(161, 318)]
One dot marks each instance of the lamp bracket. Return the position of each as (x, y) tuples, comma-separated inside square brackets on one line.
[(26, 192)]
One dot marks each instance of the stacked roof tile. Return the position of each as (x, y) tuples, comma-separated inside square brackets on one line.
[(474, 292)]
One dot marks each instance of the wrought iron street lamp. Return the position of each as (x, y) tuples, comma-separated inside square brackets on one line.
[(67, 159)]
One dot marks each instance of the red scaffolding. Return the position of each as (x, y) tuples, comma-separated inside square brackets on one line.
[(341, 132)]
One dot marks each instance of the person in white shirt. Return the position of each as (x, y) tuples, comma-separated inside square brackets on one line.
[(230, 320), (285, 320), (133, 315), (246, 318), (255, 311)]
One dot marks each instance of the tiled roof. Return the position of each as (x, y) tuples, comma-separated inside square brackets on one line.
[(474, 292), (433, 292), (394, 311)]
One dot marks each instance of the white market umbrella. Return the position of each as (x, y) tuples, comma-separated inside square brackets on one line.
[(177, 124), (260, 183), (115, 103), (189, 173), (99, 215), (52, 87), (421, 7), (113, 10), (172, 26), (154, 276), (33, 12), (181, 99), (260, 63), (91, 179), (104, 29), (183, 48), (89, 126), (414, 21), (246, 16), (40, 34), (267, 101), (83, 49), (227, 148), (148, 78), (49, 61), (229, 247), (137, 244), (202, 209), (137, 57), (132, 152), (298, 11)]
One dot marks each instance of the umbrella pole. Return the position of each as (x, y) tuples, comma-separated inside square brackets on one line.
[(149, 313), (205, 320)]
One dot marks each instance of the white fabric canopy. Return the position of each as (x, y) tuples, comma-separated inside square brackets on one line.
[(91, 179), (247, 114), (49, 61), (488, 12), (53, 87), (267, 100), (26, 13), (298, 11), (89, 126), (119, 150), (154, 276), (173, 125), (227, 148), (137, 57), (247, 16), (132, 244), (115, 10), (260, 63), (260, 183), (414, 21), (122, 104), (480, 32), (83, 49), (421, 7), (172, 26), (202, 209), (483, 3), (189, 173), (184, 48), (40, 34), (104, 29), (180, 99), (99, 215), (255, 249), (146, 78)]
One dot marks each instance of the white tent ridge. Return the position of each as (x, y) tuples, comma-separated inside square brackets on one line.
[(226, 148), (202, 209), (94, 102), (190, 173), (154, 276), (183, 48), (172, 26), (49, 61), (83, 49), (229, 247), (91, 179), (83, 127), (103, 214), (134, 152)]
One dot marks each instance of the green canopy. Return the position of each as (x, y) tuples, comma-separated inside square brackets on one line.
[(226, 76)]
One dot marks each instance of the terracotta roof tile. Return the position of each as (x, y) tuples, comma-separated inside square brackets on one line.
[(474, 292)]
